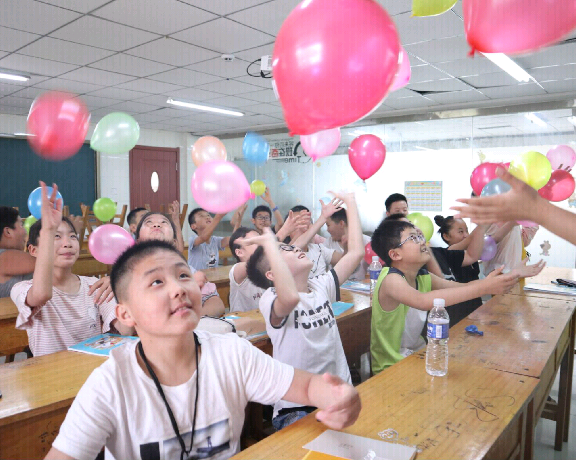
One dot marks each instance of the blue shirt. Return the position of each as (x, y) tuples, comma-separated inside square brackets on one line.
[(205, 255)]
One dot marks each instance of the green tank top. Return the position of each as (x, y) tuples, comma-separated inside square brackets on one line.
[(396, 334)]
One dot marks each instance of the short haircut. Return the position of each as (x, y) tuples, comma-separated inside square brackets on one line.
[(34, 232), (445, 225), (8, 218), (241, 232), (339, 216), (393, 199), (297, 208), (388, 236), (261, 208), (396, 216), (191, 216), (256, 269), (120, 275), (132, 215), (145, 216)]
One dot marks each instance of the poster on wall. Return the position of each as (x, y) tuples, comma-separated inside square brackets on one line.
[(288, 151), (424, 195)]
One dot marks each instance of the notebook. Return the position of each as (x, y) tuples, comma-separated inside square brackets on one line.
[(550, 288), (356, 286), (340, 307), (102, 344)]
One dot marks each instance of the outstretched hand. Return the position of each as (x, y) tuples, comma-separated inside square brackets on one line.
[(526, 271), (51, 208), (346, 406), (330, 208), (266, 238)]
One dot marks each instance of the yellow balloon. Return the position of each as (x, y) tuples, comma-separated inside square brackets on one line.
[(532, 168), (257, 187), (431, 7)]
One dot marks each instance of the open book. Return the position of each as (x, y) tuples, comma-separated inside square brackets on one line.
[(102, 344)]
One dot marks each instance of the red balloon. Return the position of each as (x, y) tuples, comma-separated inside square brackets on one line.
[(483, 174), (334, 62), (516, 26), (366, 154), (560, 186), (369, 253), (57, 124)]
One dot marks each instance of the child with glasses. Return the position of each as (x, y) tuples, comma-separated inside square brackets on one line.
[(262, 215), (405, 292)]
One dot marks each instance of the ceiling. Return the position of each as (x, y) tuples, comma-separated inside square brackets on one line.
[(130, 56)]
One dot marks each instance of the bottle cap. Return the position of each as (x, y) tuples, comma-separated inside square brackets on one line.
[(375, 259), (439, 303)]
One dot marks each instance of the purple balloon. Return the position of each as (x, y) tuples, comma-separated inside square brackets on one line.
[(562, 157), (107, 242), (489, 250)]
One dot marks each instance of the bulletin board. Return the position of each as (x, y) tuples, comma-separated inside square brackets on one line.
[(424, 195)]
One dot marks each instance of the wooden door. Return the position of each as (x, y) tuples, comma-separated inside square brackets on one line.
[(144, 162)]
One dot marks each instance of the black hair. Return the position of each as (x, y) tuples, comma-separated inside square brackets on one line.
[(132, 215), (388, 236), (241, 232), (396, 216), (393, 199), (145, 216), (256, 269), (124, 265), (261, 208), (339, 216), (8, 218), (35, 228), (445, 225), (191, 216)]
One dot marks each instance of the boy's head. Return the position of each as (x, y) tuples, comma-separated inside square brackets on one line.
[(134, 218), (66, 244), (261, 217), (337, 225), (12, 232), (156, 226), (155, 290), (199, 219), (396, 204), (396, 241), (258, 266), (242, 253)]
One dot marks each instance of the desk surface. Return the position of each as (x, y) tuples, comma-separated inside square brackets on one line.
[(219, 274), (8, 309), (545, 277)]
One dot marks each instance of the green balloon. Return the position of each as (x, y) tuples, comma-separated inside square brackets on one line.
[(28, 222), (423, 223), (413, 216), (115, 133), (104, 209)]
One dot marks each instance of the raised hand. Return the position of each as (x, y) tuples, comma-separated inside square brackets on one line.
[(102, 291), (330, 208), (346, 406), (265, 239), (266, 196), (174, 211), (500, 283), (526, 271), (51, 208)]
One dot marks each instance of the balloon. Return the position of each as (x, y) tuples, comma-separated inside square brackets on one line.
[(107, 242), (431, 7), (208, 148), (257, 187), (412, 215), (334, 61), (495, 187), (560, 186), (423, 223), (115, 133), (104, 209), (532, 168), (366, 154), (561, 157), (57, 124), (489, 250), (404, 71), (28, 222), (516, 26), (220, 186), (369, 253), (482, 174), (321, 144), (255, 149), (35, 201)]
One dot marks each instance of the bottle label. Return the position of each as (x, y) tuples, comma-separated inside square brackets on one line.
[(374, 274), (438, 331)]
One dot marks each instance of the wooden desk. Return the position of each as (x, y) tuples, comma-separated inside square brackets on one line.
[(12, 340), (472, 413), (545, 277), (219, 276)]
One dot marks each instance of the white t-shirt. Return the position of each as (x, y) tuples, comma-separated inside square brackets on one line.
[(508, 252), (321, 256), (308, 338), (360, 272), (65, 320), (205, 255), (244, 296), (120, 407)]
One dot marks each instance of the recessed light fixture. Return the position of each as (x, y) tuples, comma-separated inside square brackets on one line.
[(204, 108), (572, 120), (536, 119), (11, 76), (509, 66)]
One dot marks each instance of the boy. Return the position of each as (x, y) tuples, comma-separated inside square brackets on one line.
[(396, 204), (180, 393), (134, 218), (203, 247), (298, 309), (395, 326), (55, 307)]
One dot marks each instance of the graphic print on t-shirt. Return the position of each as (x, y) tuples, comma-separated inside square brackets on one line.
[(320, 316), (212, 261)]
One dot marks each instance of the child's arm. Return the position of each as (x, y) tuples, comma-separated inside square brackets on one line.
[(352, 258), (279, 219), (292, 224), (236, 220), (499, 234), (174, 211), (240, 272), (204, 236), (102, 290), (475, 245), (327, 210)]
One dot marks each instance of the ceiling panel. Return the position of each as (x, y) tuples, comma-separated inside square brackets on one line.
[(64, 51), (217, 66), (130, 65), (228, 87), (82, 6), (265, 83), (269, 109), (172, 52), (97, 101), (184, 77), (447, 84), (395, 7), (96, 76), (232, 101), (32, 16), (150, 117), (132, 107), (252, 54), (267, 17), (491, 79), (117, 93), (560, 72), (553, 55), (29, 92), (445, 49), (146, 85), (11, 39), (416, 30), (10, 110), (59, 84), (266, 95), (477, 65), (8, 88), (426, 73), (410, 102), (29, 64), (21, 102), (561, 86), (457, 97), (194, 94), (527, 89), (223, 7)]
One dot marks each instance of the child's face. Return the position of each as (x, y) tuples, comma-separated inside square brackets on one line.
[(66, 246), (156, 227), (297, 261), (457, 233), (398, 207), (201, 220), (336, 229), (413, 249), (246, 251), (137, 219), (262, 220)]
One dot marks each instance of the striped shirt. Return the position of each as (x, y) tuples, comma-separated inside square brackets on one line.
[(65, 320)]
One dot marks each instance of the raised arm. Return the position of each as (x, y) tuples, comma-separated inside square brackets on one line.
[(293, 223), (501, 232), (475, 245), (327, 210), (174, 211), (204, 236), (236, 220), (352, 258), (277, 215)]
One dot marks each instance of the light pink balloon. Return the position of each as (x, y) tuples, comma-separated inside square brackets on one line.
[(321, 144), (366, 154), (220, 186), (404, 71), (107, 242), (561, 157)]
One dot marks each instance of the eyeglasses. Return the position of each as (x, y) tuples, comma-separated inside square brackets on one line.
[(263, 218), (418, 239), (289, 248)]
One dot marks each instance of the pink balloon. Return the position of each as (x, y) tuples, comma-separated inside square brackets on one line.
[(490, 248), (367, 154), (220, 186), (58, 123), (334, 62), (369, 253), (516, 26), (561, 157), (107, 242), (404, 71), (560, 186), (482, 174), (321, 144)]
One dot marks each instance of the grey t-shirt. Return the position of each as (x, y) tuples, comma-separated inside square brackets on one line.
[(6, 286), (204, 255)]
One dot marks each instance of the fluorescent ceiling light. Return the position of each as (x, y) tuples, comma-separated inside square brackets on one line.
[(423, 148), (24, 134), (572, 120), (205, 108), (10, 76), (536, 119), (508, 66)]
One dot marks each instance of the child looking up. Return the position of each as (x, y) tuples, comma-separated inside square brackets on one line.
[(134, 218)]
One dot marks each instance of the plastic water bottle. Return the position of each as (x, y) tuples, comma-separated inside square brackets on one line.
[(437, 351), (374, 270)]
